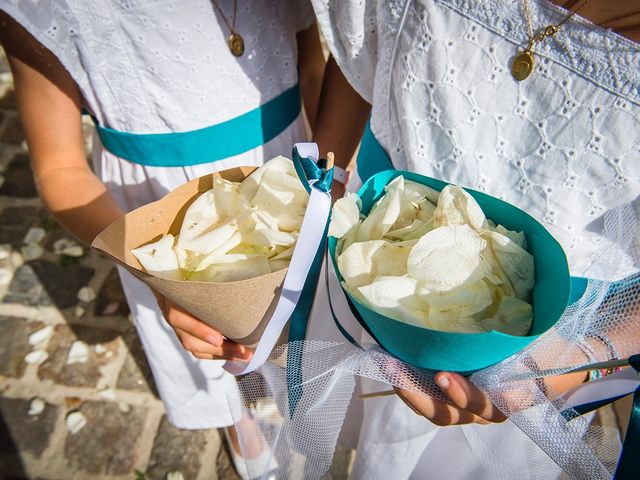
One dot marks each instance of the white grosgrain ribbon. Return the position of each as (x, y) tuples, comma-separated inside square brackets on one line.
[(309, 240)]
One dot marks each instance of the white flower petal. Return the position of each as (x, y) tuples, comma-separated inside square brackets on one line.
[(235, 267), (457, 207), (384, 214), (448, 257), (78, 352), (200, 217), (159, 258), (345, 215), (36, 357), (40, 335), (516, 263), (75, 421), (36, 407), (514, 316)]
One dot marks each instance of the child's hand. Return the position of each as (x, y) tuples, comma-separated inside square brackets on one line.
[(468, 404), (199, 338)]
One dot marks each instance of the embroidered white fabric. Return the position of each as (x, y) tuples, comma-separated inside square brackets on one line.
[(149, 66), (564, 145)]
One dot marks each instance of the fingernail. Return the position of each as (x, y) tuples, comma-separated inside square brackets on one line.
[(213, 340), (443, 382)]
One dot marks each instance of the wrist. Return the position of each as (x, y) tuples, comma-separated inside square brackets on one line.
[(340, 175)]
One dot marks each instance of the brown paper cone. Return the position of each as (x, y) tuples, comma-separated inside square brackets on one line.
[(239, 310)]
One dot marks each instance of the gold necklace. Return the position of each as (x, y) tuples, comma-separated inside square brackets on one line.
[(235, 40), (522, 65)]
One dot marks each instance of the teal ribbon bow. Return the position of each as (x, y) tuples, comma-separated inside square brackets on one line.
[(308, 170)]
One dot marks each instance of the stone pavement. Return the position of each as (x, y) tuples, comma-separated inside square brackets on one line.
[(77, 400)]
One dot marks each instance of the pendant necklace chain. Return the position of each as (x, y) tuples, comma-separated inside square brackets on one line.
[(235, 40), (522, 65)]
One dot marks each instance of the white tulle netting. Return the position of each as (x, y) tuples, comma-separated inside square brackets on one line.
[(301, 405)]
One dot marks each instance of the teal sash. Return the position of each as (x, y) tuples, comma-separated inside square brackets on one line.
[(209, 144)]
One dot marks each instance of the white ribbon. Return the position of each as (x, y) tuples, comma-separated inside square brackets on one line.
[(309, 240)]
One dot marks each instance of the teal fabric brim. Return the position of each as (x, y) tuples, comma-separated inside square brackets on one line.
[(466, 352)]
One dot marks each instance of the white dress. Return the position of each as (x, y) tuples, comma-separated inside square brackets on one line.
[(145, 66), (563, 145)]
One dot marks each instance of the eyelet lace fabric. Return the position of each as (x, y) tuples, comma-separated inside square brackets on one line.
[(160, 66), (562, 145)]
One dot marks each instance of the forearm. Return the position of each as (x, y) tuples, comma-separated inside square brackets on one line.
[(49, 105), (342, 115), (78, 200)]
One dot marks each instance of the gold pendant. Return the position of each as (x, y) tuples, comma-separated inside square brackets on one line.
[(522, 65), (236, 44)]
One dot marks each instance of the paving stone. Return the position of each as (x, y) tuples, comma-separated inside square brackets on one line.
[(176, 449), (12, 131), (19, 178), (84, 374), (44, 283), (9, 100), (107, 443), (136, 373), (111, 299), (340, 465), (23, 433), (4, 64), (14, 345), (16, 222)]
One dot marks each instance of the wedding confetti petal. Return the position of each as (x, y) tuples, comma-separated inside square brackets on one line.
[(5, 276), (32, 251), (345, 215), (448, 257), (75, 422), (36, 407), (34, 235), (36, 357), (86, 294), (175, 475), (41, 335), (78, 352)]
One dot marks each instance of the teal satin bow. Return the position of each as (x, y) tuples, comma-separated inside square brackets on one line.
[(308, 170)]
